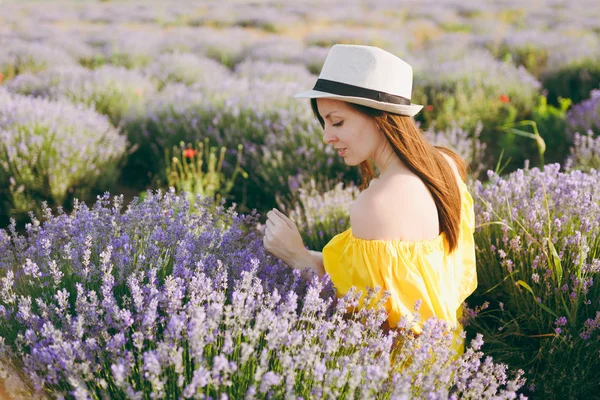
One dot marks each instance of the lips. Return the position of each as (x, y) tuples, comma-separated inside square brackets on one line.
[(341, 151)]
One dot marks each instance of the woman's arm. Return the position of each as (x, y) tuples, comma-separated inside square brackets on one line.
[(310, 260)]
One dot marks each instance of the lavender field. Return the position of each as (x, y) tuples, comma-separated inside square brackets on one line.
[(142, 142)]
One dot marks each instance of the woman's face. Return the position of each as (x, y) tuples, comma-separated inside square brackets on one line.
[(354, 135)]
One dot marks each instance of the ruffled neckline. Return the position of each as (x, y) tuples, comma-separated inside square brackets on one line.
[(428, 244)]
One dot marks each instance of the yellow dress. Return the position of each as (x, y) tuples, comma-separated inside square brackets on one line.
[(410, 270)]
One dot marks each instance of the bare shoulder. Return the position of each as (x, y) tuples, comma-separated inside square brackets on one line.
[(399, 208), (367, 217)]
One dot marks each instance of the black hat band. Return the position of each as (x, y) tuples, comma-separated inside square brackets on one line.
[(344, 89)]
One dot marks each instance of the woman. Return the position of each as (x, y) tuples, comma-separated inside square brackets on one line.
[(412, 224)]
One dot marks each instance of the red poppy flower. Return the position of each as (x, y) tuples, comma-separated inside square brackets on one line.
[(189, 153), (504, 98), (429, 107)]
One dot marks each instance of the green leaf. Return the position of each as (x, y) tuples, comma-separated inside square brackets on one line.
[(499, 283), (524, 284), (555, 261)]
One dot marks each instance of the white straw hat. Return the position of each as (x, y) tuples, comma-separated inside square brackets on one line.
[(368, 76)]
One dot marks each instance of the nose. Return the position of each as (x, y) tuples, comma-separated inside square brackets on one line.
[(328, 136)]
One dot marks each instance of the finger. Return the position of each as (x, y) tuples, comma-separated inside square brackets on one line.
[(267, 239), (276, 218), (275, 224), (268, 233), (284, 217), (273, 214)]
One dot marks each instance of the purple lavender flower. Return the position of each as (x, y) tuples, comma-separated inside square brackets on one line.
[(113, 91), (21, 56), (320, 215), (53, 148), (160, 302), (185, 68), (585, 116), (464, 143), (543, 225), (274, 71)]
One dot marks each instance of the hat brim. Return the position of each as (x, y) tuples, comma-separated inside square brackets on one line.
[(408, 110)]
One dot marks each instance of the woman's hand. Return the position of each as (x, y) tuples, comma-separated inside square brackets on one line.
[(283, 240)]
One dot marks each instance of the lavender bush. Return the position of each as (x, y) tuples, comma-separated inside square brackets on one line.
[(53, 151), (466, 144), (226, 46), (155, 302), (541, 51), (278, 49), (320, 215), (585, 116), (45, 84), (184, 68), (585, 152), (445, 47), (354, 35), (20, 56), (124, 46), (55, 41), (269, 18), (273, 71), (314, 58), (152, 12), (539, 252), (113, 91)]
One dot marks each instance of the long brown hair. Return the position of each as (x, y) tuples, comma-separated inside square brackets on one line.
[(423, 159)]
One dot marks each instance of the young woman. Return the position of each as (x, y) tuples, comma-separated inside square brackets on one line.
[(412, 224)]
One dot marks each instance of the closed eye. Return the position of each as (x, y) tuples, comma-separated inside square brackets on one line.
[(339, 123)]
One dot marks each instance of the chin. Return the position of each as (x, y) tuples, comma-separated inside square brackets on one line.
[(351, 162)]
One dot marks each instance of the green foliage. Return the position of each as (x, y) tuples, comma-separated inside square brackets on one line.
[(197, 170), (477, 89), (533, 57), (551, 123), (468, 107), (574, 81), (512, 131), (537, 294), (466, 104)]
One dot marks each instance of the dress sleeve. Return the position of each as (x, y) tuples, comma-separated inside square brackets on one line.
[(465, 271)]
